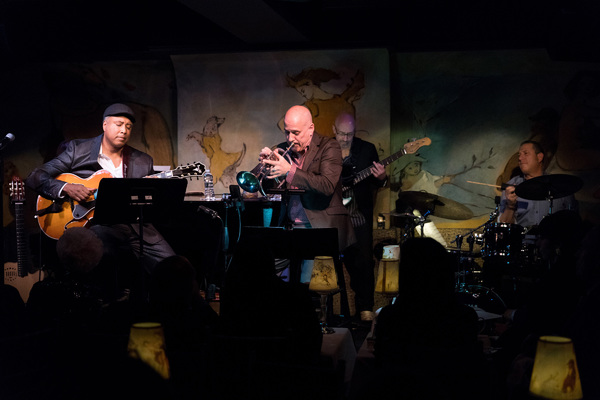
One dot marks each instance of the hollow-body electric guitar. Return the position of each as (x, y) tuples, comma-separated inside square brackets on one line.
[(56, 216), (408, 148)]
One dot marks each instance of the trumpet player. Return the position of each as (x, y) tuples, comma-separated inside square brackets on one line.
[(315, 166)]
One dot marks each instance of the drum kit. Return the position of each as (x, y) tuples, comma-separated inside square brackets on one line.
[(499, 243)]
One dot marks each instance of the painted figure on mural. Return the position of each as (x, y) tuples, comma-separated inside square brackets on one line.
[(323, 105), (413, 177), (222, 164)]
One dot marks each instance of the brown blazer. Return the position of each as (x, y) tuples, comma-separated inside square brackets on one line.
[(320, 178)]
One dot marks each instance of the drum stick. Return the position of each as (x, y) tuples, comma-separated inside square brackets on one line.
[(485, 184), (501, 187)]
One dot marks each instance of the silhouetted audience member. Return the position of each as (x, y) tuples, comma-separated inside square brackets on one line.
[(553, 299), (75, 298), (255, 302), (187, 320), (13, 320), (551, 302), (584, 328), (175, 302), (426, 342)]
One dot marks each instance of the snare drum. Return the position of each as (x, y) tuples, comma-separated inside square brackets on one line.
[(502, 240)]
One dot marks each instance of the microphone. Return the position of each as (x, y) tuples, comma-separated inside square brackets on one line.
[(209, 211), (9, 138)]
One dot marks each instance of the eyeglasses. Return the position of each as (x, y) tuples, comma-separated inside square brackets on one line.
[(344, 134)]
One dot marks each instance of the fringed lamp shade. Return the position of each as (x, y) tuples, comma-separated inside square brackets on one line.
[(391, 251), (323, 278), (147, 343), (555, 374)]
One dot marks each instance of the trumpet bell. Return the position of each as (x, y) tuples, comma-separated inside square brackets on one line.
[(248, 181)]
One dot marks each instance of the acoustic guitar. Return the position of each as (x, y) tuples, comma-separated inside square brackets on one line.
[(408, 148), (17, 274), (56, 216)]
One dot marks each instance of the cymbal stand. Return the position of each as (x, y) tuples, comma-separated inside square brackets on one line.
[(421, 220), (550, 199), (458, 240)]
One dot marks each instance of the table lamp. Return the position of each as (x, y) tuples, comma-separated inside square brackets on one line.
[(323, 280), (555, 374), (147, 343)]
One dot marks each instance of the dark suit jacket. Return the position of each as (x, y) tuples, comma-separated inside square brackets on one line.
[(320, 178), (362, 155), (81, 159)]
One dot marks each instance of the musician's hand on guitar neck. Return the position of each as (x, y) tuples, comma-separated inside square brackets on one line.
[(378, 171), (78, 192)]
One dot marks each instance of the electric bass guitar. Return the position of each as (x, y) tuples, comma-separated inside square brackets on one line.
[(56, 216), (17, 274), (408, 148)]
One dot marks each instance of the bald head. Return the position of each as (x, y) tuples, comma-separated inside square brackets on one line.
[(298, 127), (299, 114), (345, 123), (344, 129)]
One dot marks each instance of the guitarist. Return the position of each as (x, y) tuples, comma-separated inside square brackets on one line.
[(108, 151), (358, 155)]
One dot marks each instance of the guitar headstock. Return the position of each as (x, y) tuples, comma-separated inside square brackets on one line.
[(412, 147), (190, 170), (17, 190)]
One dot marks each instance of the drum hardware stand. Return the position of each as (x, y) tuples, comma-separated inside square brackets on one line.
[(471, 240), (550, 199), (420, 220)]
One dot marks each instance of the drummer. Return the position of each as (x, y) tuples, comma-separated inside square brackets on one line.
[(525, 212)]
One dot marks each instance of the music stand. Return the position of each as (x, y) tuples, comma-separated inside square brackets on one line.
[(138, 200), (299, 244), (286, 194)]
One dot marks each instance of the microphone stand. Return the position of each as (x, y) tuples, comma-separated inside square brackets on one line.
[(2, 218)]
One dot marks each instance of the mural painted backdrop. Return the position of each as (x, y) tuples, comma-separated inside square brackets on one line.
[(477, 108), (230, 106)]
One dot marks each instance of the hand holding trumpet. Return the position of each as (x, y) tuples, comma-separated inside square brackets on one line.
[(277, 165)]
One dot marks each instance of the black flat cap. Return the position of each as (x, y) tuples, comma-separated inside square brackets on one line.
[(119, 110)]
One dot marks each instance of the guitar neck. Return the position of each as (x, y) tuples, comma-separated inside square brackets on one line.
[(165, 174), (22, 246), (365, 173)]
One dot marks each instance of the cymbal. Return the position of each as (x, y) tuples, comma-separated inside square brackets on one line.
[(436, 205), (402, 215), (547, 187)]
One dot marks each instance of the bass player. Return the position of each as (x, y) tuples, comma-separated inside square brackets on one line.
[(357, 155)]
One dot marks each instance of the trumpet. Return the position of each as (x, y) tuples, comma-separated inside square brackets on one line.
[(251, 181)]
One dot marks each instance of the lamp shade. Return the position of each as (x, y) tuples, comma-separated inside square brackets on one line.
[(147, 343), (323, 278), (388, 276), (391, 251), (555, 374)]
